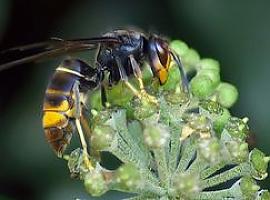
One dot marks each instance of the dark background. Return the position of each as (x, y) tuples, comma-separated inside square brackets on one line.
[(236, 33)]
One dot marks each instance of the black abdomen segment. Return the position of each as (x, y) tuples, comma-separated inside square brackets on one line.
[(62, 82)]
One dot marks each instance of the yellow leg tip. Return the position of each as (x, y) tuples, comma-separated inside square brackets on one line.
[(144, 95)]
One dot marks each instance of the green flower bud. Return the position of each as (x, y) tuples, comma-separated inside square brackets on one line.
[(211, 106), (227, 94), (202, 86), (128, 177), (248, 187), (102, 137), (100, 118), (76, 164), (209, 64), (95, 183), (155, 135), (144, 108), (238, 151), (186, 184), (191, 59), (209, 149), (237, 128), (263, 195), (221, 121), (212, 74), (259, 163), (217, 113), (199, 123), (196, 124), (179, 47), (119, 90), (176, 97)]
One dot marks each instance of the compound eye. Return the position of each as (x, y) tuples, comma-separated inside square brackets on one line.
[(163, 53)]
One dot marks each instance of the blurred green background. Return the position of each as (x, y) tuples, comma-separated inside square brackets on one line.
[(236, 33)]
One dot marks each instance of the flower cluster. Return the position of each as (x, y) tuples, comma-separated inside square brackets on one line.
[(186, 147)]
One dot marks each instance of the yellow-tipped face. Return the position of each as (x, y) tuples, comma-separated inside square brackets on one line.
[(165, 61), (160, 59)]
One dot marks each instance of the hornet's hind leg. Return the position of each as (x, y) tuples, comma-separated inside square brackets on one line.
[(77, 114)]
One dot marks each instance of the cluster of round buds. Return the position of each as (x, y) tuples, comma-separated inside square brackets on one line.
[(206, 82), (99, 180), (177, 147)]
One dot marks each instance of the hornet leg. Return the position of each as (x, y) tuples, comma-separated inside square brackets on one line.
[(138, 74), (84, 120), (184, 84), (142, 94), (104, 100), (77, 115)]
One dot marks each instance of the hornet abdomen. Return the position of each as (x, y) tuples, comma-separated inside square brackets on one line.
[(59, 111)]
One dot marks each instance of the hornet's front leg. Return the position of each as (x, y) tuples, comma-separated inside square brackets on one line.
[(184, 81)]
